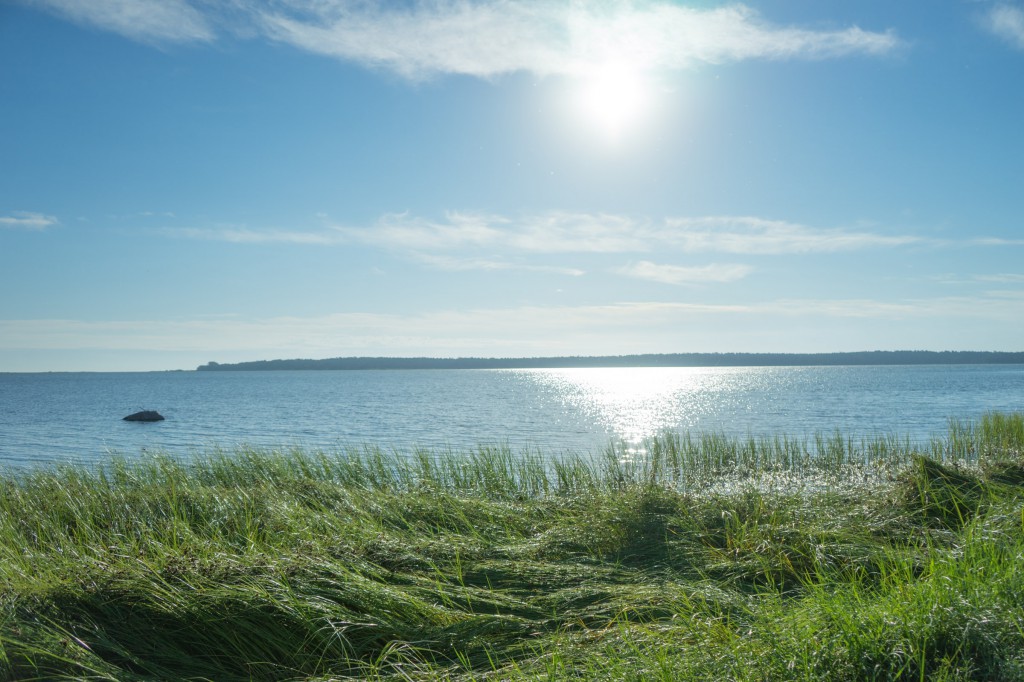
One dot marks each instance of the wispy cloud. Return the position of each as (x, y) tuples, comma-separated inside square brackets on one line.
[(496, 37), (28, 221), (996, 241), (1007, 22), (1002, 306), (509, 331), (148, 21), (464, 241), (463, 264), (751, 235), (552, 232), (567, 232), (1002, 278), (676, 274), (485, 38), (623, 327), (244, 235)]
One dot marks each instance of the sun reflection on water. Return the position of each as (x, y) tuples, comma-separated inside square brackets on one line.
[(636, 403)]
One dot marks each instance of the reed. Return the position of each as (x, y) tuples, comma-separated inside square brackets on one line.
[(694, 557)]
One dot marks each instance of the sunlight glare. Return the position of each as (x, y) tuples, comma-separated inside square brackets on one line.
[(613, 100), (634, 403)]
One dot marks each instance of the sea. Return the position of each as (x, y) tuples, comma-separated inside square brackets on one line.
[(49, 419)]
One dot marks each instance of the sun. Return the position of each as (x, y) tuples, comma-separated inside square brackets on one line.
[(613, 100)]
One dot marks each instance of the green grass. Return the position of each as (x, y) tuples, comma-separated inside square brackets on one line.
[(700, 557)]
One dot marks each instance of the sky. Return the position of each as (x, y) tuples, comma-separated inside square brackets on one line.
[(184, 181)]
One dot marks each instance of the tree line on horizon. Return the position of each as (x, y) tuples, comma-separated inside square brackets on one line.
[(899, 357)]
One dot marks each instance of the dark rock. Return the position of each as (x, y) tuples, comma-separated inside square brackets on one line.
[(145, 416)]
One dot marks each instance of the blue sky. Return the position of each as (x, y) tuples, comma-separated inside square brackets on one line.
[(190, 180)]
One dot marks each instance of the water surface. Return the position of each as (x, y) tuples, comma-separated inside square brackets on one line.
[(47, 418)]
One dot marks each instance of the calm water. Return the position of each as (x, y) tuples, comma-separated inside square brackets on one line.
[(46, 418)]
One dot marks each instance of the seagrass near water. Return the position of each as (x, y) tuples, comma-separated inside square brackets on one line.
[(670, 524), (693, 559)]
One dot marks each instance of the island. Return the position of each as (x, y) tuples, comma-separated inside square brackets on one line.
[(877, 357)]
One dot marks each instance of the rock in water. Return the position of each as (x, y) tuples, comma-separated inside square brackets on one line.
[(145, 416)]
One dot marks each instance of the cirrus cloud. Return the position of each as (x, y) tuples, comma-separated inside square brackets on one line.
[(677, 274), (549, 232), (754, 236), (606, 329), (1007, 22), (487, 39), (583, 232), (483, 38), (148, 21), (27, 220)]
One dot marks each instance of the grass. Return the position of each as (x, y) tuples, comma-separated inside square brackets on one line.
[(700, 557)]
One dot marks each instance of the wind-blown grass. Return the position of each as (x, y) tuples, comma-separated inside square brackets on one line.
[(700, 557)]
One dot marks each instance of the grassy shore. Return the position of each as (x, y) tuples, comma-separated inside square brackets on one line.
[(698, 558)]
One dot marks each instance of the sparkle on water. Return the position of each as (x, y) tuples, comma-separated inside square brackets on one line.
[(635, 403)]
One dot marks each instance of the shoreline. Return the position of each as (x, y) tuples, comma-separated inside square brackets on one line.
[(866, 358), (717, 557)]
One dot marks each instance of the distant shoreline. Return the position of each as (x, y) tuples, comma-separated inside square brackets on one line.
[(915, 357)]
